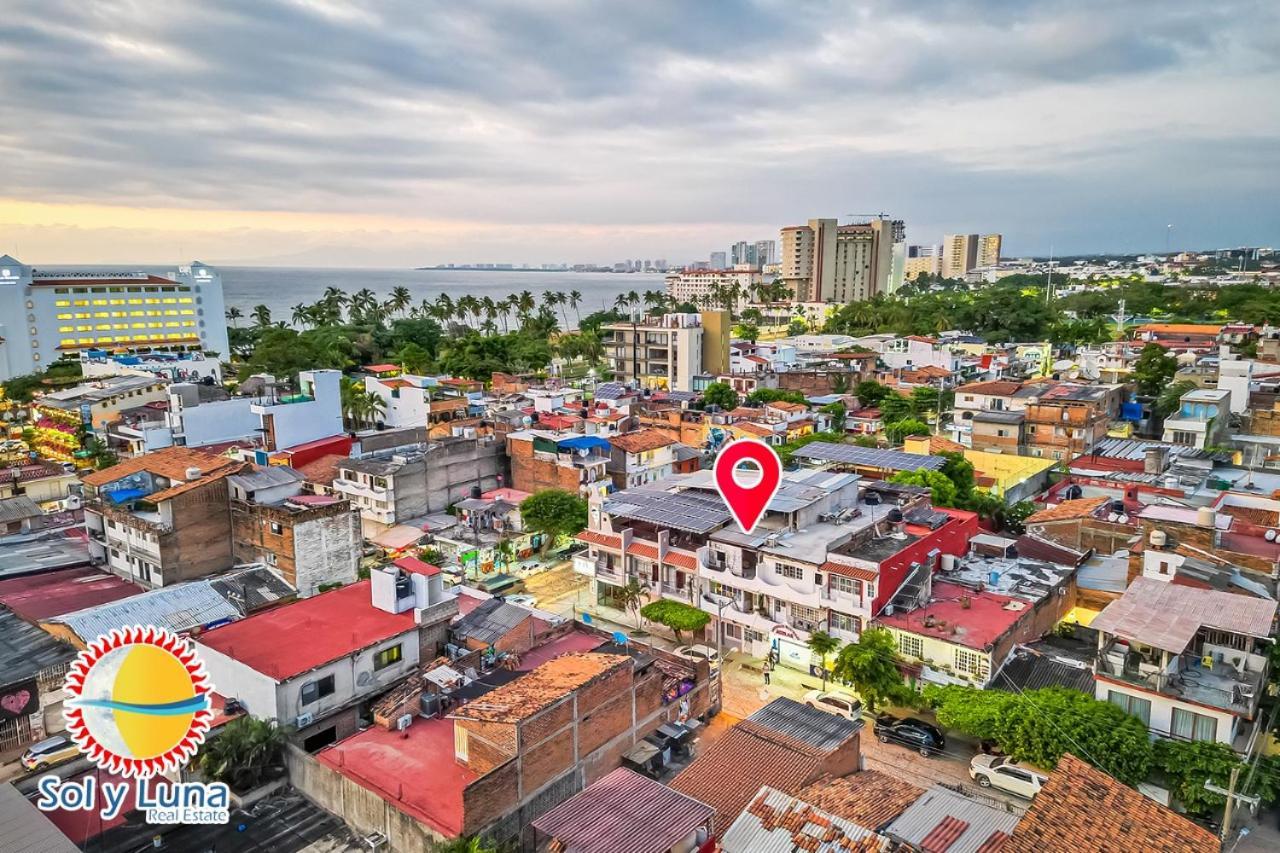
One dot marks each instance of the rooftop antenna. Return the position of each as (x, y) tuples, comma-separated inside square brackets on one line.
[(1119, 318), (1048, 282)]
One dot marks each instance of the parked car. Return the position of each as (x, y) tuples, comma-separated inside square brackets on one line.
[(840, 704), (998, 771), (700, 652), (909, 732), (49, 752)]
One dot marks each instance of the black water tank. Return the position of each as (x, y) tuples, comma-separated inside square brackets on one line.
[(895, 516), (475, 493)]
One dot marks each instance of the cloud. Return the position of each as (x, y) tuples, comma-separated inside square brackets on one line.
[(1051, 121)]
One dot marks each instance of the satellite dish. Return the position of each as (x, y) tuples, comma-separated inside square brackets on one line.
[(1063, 364), (364, 679)]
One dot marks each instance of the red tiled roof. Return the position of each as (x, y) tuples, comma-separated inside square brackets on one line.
[(994, 843), (869, 798), (855, 572), (997, 387), (331, 626), (541, 688), (323, 470), (382, 368), (942, 836), (641, 440), (643, 549), (31, 471), (172, 464), (681, 560), (1067, 510), (1083, 809), (594, 537)]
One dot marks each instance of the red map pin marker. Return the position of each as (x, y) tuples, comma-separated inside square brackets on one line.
[(744, 489)]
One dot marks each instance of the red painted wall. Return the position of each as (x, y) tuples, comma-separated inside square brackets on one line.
[(951, 538)]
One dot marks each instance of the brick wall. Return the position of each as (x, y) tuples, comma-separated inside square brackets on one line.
[(200, 543), (488, 744), (530, 474), (548, 760)]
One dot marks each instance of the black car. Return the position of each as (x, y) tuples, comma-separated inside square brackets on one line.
[(910, 732)]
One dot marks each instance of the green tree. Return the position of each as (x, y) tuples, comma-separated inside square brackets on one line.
[(720, 394), (554, 513), (1015, 516), (942, 490), (747, 332), (245, 753), (870, 665), (1187, 765), (677, 616), (632, 597), (870, 392), (797, 327), (474, 844), (822, 644), (774, 395), (959, 471), (1170, 397), (1038, 726), (898, 430), (412, 358), (894, 407), (1153, 369)]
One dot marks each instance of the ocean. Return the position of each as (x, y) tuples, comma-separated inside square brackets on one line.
[(280, 288)]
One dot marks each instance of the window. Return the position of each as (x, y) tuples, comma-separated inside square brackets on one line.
[(313, 691), (277, 528), (386, 657), (845, 622), (1189, 725), (460, 743), (809, 614), (849, 586), (911, 646), (971, 663), (1138, 707), (795, 573)]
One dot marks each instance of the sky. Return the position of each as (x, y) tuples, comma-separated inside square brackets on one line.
[(335, 133)]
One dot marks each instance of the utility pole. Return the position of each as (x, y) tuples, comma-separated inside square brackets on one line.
[(1230, 793)]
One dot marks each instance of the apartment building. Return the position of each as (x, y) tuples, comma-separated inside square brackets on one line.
[(1190, 663), (921, 260), (46, 315), (831, 550), (162, 518), (412, 401), (313, 541), (705, 287), (667, 352), (823, 261), (42, 482), (1203, 419), (1065, 420), (570, 461), (639, 458), (295, 665), (989, 246)]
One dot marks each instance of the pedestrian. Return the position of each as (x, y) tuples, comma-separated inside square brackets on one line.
[(767, 668)]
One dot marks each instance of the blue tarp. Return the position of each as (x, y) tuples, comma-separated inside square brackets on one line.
[(120, 496), (584, 442)]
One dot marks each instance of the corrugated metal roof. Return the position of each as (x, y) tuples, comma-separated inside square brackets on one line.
[(1026, 670), (923, 817), (778, 823), (25, 650), (624, 813), (489, 621), (809, 725), (1167, 615), (18, 508), (182, 607), (849, 454), (26, 829)]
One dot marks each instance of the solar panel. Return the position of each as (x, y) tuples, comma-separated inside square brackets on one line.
[(609, 390), (851, 454), (694, 512)]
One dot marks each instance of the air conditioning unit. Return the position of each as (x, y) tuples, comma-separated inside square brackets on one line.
[(303, 720), (403, 722)]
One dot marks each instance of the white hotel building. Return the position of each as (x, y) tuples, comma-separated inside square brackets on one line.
[(46, 315)]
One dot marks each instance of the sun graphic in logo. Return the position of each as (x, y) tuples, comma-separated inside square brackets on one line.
[(138, 701)]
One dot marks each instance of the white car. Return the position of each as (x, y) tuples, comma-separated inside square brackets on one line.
[(998, 771), (840, 704), (700, 652)]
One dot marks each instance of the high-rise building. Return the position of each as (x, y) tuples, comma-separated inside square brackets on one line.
[(989, 250), (827, 262), (743, 253), (719, 260), (959, 254), (46, 314), (665, 353), (766, 252), (922, 260)]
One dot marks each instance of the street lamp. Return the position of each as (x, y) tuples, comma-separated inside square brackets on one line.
[(719, 602)]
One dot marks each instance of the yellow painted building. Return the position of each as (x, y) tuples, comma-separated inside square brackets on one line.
[(1006, 470)]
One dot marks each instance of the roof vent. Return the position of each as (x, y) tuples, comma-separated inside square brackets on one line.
[(193, 473)]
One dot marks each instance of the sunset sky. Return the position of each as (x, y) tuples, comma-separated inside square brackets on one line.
[(321, 132)]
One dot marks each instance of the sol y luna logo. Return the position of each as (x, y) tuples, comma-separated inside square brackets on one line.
[(138, 701)]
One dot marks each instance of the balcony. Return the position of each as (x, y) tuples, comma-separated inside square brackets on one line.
[(674, 593), (716, 564), (1232, 681)]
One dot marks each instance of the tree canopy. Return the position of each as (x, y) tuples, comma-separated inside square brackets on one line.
[(554, 512), (870, 665), (676, 615), (1153, 369), (720, 394)]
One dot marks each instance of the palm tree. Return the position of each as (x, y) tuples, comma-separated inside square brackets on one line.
[(575, 299), (374, 407), (633, 596), (234, 314), (525, 305), (302, 315), (261, 316), (822, 644), (245, 753), (400, 298)]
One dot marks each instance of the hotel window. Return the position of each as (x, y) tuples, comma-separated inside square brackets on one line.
[(795, 573), (186, 300), (845, 622), (64, 317), (84, 328), (63, 303), (135, 301), (102, 327), (68, 342), (117, 301), (119, 325), (911, 646), (66, 328), (1189, 725), (386, 657), (971, 663), (1140, 708), (99, 302)]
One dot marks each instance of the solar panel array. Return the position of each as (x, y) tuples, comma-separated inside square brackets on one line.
[(870, 457), (691, 511), (609, 391)]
